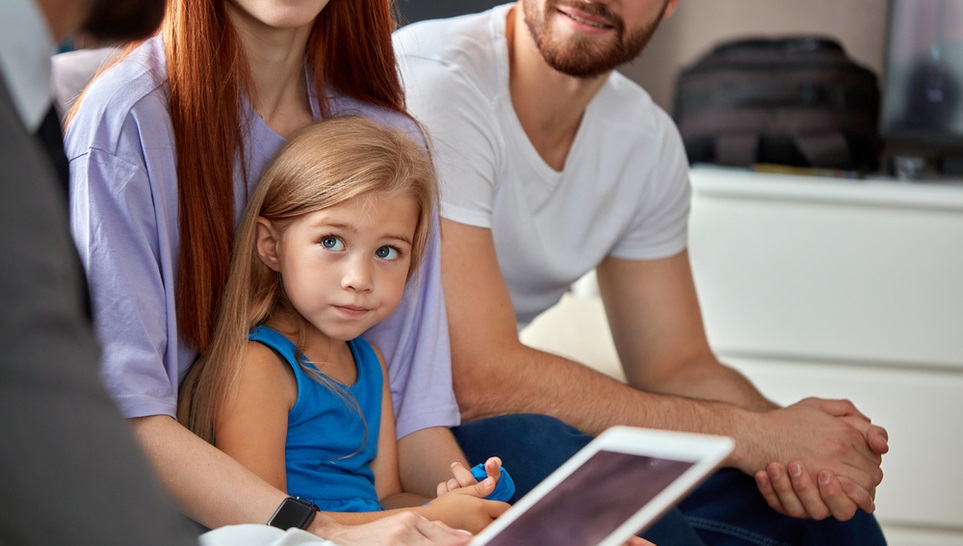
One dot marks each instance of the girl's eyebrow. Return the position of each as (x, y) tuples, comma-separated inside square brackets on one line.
[(404, 238), (351, 228), (335, 225)]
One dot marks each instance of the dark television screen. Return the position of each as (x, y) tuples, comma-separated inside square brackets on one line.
[(923, 87)]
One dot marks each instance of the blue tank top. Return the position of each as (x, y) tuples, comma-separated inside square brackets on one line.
[(324, 463)]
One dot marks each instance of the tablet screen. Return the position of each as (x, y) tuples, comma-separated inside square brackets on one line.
[(595, 500)]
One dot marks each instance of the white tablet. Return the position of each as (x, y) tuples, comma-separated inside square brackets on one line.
[(613, 488)]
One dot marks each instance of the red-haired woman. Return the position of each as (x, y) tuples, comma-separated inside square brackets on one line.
[(164, 148)]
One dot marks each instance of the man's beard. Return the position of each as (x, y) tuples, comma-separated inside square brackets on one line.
[(124, 20), (580, 57)]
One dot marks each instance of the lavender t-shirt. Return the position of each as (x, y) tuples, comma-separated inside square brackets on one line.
[(123, 213)]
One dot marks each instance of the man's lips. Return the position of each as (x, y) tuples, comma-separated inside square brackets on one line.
[(580, 16)]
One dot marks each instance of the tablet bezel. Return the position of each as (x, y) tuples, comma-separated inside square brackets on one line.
[(704, 451)]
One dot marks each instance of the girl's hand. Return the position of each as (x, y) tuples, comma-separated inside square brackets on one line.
[(462, 478), (464, 509)]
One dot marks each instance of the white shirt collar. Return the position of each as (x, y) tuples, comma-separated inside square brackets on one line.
[(25, 48)]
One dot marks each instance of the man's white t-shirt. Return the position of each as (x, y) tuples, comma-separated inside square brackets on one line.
[(624, 191)]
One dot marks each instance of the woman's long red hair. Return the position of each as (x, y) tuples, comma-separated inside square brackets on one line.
[(349, 51)]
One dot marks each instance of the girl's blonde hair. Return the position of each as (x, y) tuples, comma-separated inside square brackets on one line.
[(321, 166)]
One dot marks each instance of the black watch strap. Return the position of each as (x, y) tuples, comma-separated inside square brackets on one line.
[(293, 512)]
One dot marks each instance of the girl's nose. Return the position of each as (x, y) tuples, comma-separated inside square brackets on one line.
[(358, 275)]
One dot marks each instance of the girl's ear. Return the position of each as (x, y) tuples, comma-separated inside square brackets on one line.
[(266, 243)]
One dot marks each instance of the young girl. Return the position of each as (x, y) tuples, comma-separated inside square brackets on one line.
[(336, 227), (165, 149)]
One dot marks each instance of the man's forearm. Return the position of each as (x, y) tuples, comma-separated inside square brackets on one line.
[(809, 431), (708, 379), (532, 381)]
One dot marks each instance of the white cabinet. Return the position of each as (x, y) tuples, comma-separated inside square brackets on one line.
[(834, 288), (847, 288)]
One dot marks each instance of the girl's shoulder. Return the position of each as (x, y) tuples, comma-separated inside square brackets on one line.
[(259, 354), (263, 377), (133, 90), (263, 338), (263, 362)]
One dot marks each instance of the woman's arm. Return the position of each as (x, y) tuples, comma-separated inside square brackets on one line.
[(215, 490), (206, 482)]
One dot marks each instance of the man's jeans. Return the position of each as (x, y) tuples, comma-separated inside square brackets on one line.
[(727, 509)]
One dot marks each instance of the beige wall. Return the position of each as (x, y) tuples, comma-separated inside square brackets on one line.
[(860, 25)]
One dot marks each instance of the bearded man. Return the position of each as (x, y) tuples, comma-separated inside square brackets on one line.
[(551, 165)]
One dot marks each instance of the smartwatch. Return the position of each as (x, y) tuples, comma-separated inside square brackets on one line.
[(293, 512)]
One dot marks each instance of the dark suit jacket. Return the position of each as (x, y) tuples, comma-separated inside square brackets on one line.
[(70, 469)]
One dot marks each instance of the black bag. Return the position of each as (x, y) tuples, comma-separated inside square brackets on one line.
[(793, 101)]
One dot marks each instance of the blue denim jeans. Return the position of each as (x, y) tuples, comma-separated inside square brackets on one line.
[(726, 510)]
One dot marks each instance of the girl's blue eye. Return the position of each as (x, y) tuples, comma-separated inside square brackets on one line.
[(332, 243), (387, 253)]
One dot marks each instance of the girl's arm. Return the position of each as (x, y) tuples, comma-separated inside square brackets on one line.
[(252, 427), (424, 459), (385, 466), (465, 508)]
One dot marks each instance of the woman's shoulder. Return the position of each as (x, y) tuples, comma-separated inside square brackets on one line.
[(134, 89)]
